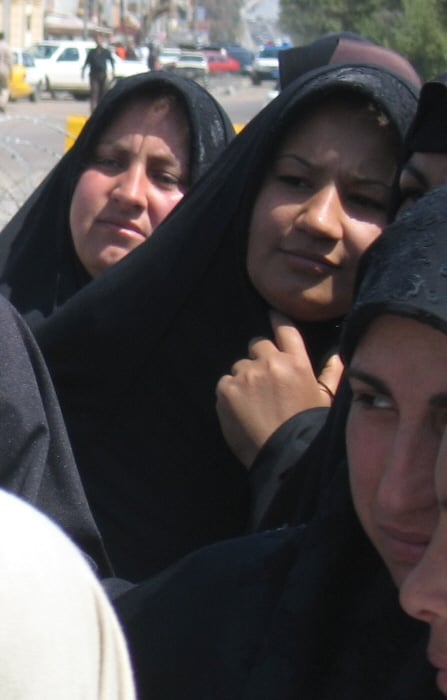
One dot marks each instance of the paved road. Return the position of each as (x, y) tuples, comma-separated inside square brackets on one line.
[(33, 135)]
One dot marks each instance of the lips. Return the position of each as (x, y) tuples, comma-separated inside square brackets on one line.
[(122, 227), (404, 547), (309, 260)]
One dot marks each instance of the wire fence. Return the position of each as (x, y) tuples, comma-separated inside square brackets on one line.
[(25, 161)]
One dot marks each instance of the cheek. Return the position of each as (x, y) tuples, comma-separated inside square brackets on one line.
[(360, 236), (363, 460), (268, 225), (86, 200), (161, 205)]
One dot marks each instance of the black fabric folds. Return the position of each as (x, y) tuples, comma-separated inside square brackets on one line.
[(39, 269), (136, 355), (307, 612), (36, 461)]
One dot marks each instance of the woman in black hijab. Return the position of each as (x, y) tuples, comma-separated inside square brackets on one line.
[(288, 488), (137, 354), (49, 250), (313, 611)]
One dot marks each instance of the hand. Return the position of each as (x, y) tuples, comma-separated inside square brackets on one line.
[(274, 383)]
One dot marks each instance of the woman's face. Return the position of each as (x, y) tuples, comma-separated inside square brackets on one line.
[(424, 593), (321, 205), (138, 173), (398, 377), (422, 172)]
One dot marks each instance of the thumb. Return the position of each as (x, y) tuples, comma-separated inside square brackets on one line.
[(331, 374)]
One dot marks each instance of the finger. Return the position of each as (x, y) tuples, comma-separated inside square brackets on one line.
[(260, 347), (287, 336), (331, 373)]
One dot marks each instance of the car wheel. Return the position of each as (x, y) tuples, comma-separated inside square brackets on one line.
[(255, 79)]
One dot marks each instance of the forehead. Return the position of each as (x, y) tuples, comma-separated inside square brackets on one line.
[(349, 133), (147, 115), (395, 347), (337, 117)]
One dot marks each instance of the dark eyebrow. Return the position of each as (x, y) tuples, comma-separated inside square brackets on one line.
[(300, 159), (436, 401), (365, 181), (353, 373), (410, 169)]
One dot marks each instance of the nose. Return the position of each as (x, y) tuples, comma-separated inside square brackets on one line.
[(322, 214), (407, 485), (423, 594), (131, 187)]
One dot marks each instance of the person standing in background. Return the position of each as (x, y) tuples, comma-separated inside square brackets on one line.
[(5, 69), (152, 59), (97, 59)]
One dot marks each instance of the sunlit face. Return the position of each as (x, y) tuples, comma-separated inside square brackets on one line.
[(398, 377), (424, 593), (422, 172), (139, 172), (321, 205)]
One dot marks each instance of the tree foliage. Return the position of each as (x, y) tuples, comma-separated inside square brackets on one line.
[(415, 28), (224, 18)]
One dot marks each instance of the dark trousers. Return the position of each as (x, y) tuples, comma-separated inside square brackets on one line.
[(98, 84)]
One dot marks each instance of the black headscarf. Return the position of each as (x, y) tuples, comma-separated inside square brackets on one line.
[(428, 133), (39, 269), (341, 47), (136, 355), (36, 461)]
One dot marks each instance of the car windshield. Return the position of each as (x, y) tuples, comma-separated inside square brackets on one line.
[(28, 60), (191, 57), (42, 50)]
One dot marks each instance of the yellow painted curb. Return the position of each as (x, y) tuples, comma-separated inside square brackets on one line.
[(75, 123)]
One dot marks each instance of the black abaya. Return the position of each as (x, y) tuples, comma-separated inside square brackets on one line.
[(36, 461)]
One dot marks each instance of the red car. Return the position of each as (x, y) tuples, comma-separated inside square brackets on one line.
[(219, 62)]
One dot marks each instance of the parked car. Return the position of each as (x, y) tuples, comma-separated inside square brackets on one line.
[(168, 57), (266, 65), (62, 62), (191, 64), (241, 54), (128, 67), (27, 80), (221, 62)]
